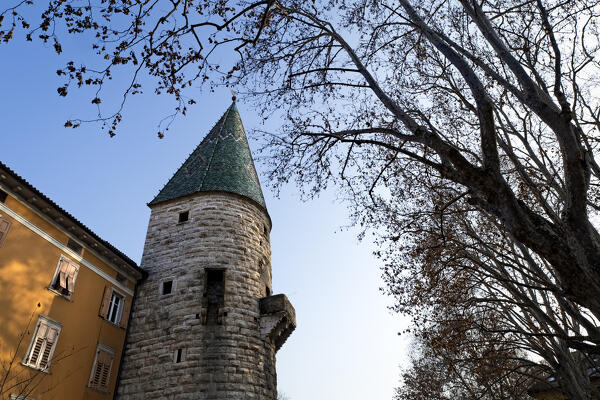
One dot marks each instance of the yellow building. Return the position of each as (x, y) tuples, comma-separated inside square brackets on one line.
[(65, 296)]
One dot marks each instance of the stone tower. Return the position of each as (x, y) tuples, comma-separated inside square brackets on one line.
[(205, 324)]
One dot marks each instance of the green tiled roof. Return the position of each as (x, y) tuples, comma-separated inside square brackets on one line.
[(221, 162)]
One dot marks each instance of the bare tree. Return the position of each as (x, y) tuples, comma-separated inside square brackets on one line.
[(482, 306), (493, 99), (282, 396), (419, 111), (474, 373)]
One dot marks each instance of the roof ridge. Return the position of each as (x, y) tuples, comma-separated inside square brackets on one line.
[(212, 154)]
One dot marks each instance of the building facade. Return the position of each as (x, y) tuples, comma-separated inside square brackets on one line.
[(65, 296), (205, 324)]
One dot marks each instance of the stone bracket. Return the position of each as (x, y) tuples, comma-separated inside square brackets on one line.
[(277, 319)]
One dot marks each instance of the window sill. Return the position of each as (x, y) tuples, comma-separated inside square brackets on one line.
[(59, 294), (45, 370), (111, 323), (98, 390)]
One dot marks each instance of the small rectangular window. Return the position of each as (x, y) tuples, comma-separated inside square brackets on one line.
[(4, 227), (42, 344), (73, 245), (167, 287), (3, 196), (178, 355), (184, 216), (65, 276), (100, 375)]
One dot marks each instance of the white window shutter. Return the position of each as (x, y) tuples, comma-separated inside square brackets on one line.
[(36, 350), (105, 302), (72, 273), (51, 335), (63, 273), (42, 345), (101, 370)]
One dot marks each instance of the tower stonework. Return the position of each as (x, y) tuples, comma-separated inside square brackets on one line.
[(205, 324)]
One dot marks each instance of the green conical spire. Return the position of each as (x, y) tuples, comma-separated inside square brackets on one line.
[(221, 162)]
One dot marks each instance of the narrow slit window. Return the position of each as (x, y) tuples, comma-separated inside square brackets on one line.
[(167, 287), (184, 216), (215, 295), (178, 355)]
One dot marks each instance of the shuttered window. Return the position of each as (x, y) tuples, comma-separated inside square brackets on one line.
[(115, 307), (100, 375), (65, 276), (43, 344), (4, 227)]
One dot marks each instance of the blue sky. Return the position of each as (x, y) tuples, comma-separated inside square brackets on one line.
[(346, 345)]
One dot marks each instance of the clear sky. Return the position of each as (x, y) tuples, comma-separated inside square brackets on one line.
[(346, 345)]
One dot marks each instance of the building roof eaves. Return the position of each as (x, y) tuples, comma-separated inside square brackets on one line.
[(22, 184)]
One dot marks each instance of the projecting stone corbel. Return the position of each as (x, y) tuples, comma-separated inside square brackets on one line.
[(277, 319)]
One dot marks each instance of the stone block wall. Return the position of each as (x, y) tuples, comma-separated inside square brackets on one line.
[(228, 360)]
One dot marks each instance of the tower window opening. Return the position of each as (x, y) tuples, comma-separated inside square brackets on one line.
[(215, 295), (167, 287), (179, 355), (184, 216)]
